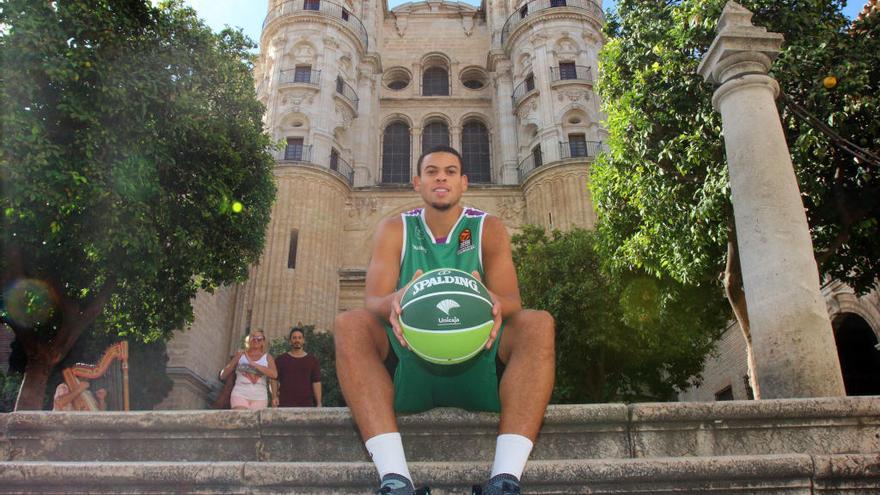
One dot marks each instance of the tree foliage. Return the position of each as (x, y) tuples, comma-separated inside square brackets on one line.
[(662, 192), (319, 344), (129, 132), (627, 337)]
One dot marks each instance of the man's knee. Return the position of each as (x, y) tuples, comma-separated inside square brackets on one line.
[(538, 325), (355, 331)]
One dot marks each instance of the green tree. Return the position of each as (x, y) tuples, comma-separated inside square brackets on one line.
[(134, 167), (627, 337), (319, 344), (662, 193)]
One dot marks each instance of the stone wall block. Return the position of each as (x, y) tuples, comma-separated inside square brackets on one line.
[(136, 436), (809, 426), (846, 474)]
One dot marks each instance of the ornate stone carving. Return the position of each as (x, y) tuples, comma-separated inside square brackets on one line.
[(330, 43), (467, 23), (359, 209), (573, 95), (400, 22), (511, 210)]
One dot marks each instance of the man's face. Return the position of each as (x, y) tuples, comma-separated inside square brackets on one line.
[(297, 340), (441, 182)]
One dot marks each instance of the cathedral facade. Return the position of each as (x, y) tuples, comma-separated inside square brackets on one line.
[(354, 92)]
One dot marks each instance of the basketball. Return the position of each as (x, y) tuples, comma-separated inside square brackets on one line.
[(446, 316)]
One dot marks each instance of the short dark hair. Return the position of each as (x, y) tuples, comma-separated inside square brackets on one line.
[(440, 149), (295, 329)]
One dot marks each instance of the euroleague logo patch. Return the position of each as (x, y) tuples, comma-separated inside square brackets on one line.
[(465, 242)]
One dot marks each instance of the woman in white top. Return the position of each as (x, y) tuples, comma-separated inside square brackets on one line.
[(252, 366)]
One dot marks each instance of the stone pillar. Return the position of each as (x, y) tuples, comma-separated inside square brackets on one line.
[(792, 338), (506, 123)]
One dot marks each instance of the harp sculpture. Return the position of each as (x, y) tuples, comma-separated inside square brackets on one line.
[(110, 373)]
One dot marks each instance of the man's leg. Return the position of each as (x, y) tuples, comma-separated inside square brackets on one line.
[(527, 348), (361, 348)]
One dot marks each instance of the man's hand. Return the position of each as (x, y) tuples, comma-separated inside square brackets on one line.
[(394, 317), (496, 312), (275, 402)]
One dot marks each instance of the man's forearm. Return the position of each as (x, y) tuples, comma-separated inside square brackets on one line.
[(316, 388)]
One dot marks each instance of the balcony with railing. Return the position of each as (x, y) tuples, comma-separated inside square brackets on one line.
[(568, 150), (529, 163), (570, 73), (294, 153), (337, 164), (300, 76), (523, 89), (535, 7), (320, 7), (347, 92), (581, 149)]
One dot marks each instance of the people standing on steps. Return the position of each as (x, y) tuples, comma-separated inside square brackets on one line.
[(252, 366), (299, 375), (403, 247)]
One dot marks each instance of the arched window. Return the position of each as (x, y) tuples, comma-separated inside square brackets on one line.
[(396, 154), (435, 82), (475, 152), (435, 134)]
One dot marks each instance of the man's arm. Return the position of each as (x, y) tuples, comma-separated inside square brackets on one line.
[(498, 266), (316, 389), (384, 268)]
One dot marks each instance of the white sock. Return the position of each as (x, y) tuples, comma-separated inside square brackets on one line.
[(387, 453), (511, 453)]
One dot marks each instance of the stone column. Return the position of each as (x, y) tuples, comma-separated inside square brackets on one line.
[(792, 339), (506, 123)]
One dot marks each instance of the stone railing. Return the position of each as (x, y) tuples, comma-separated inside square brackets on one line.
[(579, 73), (347, 92), (324, 7), (535, 6), (291, 76)]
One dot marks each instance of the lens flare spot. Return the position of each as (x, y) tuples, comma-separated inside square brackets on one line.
[(29, 302), (640, 302), (237, 207)]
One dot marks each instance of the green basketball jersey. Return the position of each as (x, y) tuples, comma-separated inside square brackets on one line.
[(422, 250), (418, 384)]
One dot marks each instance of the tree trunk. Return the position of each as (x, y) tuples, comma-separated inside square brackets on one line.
[(736, 296), (43, 356), (33, 387)]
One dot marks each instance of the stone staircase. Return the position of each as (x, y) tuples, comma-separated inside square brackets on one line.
[(810, 446)]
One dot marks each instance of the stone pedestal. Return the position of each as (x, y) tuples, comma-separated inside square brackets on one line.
[(792, 338)]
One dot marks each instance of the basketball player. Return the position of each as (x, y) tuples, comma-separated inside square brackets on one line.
[(444, 234)]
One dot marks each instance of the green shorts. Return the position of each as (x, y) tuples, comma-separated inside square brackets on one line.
[(420, 385)]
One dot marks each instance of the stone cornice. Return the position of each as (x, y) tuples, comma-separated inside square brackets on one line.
[(558, 13), (555, 170), (314, 173), (309, 16)]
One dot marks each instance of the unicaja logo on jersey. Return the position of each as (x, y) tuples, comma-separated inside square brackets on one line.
[(446, 305)]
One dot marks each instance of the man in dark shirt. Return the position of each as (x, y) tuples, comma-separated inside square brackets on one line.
[(299, 375)]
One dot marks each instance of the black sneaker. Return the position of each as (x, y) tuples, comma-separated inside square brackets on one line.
[(500, 484), (395, 484)]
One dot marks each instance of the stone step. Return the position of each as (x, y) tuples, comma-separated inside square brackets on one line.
[(771, 474), (606, 431)]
